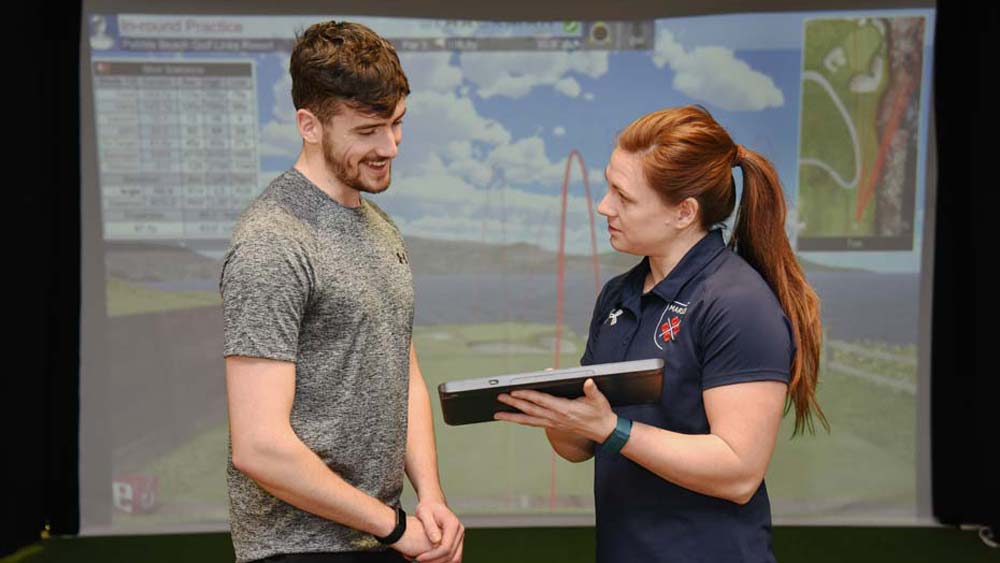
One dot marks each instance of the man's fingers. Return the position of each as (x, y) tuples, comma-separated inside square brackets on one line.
[(430, 526)]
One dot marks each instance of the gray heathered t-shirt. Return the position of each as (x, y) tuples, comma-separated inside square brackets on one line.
[(329, 287)]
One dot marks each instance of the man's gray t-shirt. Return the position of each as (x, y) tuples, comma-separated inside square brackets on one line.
[(329, 287)]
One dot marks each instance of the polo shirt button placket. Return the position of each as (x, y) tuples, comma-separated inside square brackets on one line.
[(627, 340)]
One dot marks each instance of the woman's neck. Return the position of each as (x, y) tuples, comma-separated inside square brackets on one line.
[(661, 264)]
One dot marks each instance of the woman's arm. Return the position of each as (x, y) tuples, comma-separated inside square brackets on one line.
[(729, 462)]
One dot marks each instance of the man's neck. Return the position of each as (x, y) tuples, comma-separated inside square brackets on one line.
[(313, 167)]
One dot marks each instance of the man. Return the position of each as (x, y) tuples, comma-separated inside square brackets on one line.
[(327, 405)]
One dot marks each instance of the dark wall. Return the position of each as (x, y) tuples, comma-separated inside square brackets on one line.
[(41, 386)]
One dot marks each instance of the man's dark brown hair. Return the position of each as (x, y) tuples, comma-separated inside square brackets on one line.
[(335, 63)]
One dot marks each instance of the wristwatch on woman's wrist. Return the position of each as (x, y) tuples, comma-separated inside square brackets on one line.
[(616, 441)]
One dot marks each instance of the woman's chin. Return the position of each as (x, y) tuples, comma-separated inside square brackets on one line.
[(618, 244)]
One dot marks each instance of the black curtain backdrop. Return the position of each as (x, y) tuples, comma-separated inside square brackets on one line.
[(964, 423), (40, 402), (41, 386)]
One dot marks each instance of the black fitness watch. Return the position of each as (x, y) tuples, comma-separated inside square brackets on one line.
[(397, 533)]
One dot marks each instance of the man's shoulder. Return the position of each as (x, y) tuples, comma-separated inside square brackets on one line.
[(271, 214), (381, 213), (267, 221)]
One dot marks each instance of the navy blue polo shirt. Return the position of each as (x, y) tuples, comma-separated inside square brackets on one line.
[(714, 321)]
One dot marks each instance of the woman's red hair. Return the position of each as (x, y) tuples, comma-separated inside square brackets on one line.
[(686, 153)]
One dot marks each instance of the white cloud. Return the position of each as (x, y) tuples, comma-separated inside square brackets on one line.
[(440, 205), (514, 75), (568, 86), (459, 194), (450, 137), (667, 49), (431, 72), (445, 125), (714, 75), (280, 136), (524, 161), (559, 131), (589, 96)]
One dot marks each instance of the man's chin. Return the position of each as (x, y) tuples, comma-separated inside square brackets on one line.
[(368, 187), (375, 189), (373, 184)]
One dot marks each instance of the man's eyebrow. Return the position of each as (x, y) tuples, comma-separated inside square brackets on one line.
[(372, 124)]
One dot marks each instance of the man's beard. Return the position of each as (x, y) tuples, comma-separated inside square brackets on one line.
[(339, 169)]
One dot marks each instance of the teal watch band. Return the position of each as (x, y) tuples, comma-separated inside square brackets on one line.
[(616, 441)]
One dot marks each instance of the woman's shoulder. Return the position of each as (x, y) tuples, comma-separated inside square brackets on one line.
[(735, 282)]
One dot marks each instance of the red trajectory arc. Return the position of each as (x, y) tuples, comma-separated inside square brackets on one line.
[(561, 280), (865, 194)]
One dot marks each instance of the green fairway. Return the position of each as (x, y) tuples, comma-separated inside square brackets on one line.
[(126, 298), (864, 466)]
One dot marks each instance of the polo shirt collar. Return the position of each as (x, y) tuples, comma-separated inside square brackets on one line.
[(696, 258)]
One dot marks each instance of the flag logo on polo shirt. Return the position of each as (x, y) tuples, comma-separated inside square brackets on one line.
[(669, 328)]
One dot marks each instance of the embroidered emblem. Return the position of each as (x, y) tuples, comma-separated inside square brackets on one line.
[(613, 317), (669, 327)]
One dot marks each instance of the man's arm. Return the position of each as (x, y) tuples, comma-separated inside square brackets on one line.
[(421, 452), (443, 528), (265, 448)]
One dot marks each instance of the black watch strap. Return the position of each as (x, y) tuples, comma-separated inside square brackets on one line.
[(397, 533)]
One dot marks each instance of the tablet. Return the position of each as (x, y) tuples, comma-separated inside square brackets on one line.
[(623, 383)]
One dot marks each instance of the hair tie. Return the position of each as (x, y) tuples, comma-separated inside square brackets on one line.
[(740, 154)]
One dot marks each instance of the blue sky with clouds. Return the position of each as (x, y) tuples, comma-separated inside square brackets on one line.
[(489, 127)]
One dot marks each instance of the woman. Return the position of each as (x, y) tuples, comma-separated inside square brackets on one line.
[(737, 326)]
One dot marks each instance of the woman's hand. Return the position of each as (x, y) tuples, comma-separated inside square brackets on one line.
[(589, 416)]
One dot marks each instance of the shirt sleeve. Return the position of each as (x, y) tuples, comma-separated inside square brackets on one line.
[(745, 336), (265, 286), (595, 323)]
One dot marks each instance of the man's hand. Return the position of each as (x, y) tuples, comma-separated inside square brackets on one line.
[(443, 530), (414, 540)]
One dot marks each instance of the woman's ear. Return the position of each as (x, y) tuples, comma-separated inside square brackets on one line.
[(686, 213)]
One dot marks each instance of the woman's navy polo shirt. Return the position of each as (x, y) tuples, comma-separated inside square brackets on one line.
[(714, 321)]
